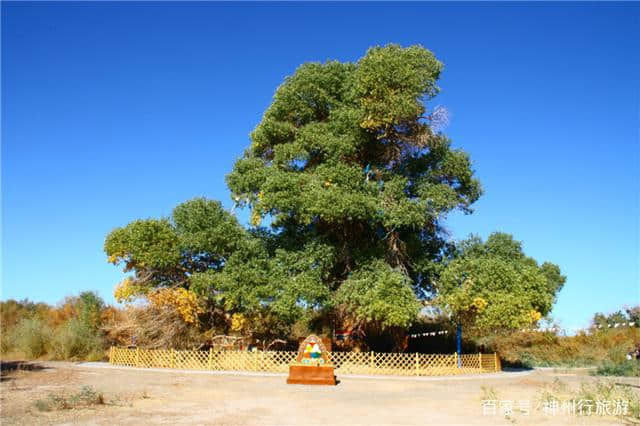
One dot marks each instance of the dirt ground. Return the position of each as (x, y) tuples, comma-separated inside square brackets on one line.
[(133, 396)]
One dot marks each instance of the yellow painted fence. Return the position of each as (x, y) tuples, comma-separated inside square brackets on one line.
[(399, 364)]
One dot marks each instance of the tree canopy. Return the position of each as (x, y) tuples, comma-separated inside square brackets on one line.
[(494, 285), (347, 167), (630, 315)]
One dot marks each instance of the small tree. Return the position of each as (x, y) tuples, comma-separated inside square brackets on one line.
[(492, 285)]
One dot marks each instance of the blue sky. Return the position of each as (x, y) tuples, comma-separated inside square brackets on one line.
[(118, 111)]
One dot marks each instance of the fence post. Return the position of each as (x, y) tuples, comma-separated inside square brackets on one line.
[(372, 361), (480, 360), (173, 358), (137, 357), (456, 359), (210, 363), (417, 364), (495, 361), (111, 355)]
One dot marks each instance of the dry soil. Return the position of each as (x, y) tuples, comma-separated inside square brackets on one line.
[(134, 396)]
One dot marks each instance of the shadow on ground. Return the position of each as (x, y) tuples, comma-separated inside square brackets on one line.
[(8, 367), (516, 369)]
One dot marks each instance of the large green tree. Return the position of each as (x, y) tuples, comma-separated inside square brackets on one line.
[(352, 178), (354, 182), (348, 170)]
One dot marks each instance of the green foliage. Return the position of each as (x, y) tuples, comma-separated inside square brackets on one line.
[(30, 336), (625, 368), (601, 320), (282, 282), (379, 294), (348, 168), (493, 285), (76, 340), (90, 307), (355, 181), (11, 313), (72, 330), (167, 253), (345, 157), (390, 82), (144, 244), (203, 229)]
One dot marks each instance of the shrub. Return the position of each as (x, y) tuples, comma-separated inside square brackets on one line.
[(72, 330), (153, 327), (548, 349), (97, 355), (30, 336), (76, 340), (6, 341), (600, 390), (86, 397), (610, 391), (624, 368)]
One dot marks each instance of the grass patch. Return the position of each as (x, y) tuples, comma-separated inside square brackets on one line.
[(623, 369), (609, 391), (86, 397), (531, 349), (623, 396), (489, 393)]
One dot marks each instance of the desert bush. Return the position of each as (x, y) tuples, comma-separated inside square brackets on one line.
[(30, 336), (548, 349), (624, 368), (6, 340), (601, 390), (71, 330), (12, 311), (76, 340), (610, 391), (14, 314), (153, 327), (86, 397)]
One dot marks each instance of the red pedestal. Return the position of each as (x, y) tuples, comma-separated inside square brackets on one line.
[(311, 375)]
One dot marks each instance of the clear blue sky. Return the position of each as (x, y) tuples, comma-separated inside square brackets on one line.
[(118, 111)]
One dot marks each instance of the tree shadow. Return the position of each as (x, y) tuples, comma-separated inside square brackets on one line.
[(516, 369), (9, 367)]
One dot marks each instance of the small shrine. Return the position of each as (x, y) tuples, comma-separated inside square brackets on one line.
[(312, 365)]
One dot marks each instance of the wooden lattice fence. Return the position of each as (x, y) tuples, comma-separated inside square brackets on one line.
[(397, 364)]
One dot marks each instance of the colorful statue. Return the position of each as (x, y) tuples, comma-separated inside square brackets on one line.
[(313, 365), (312, 352)]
